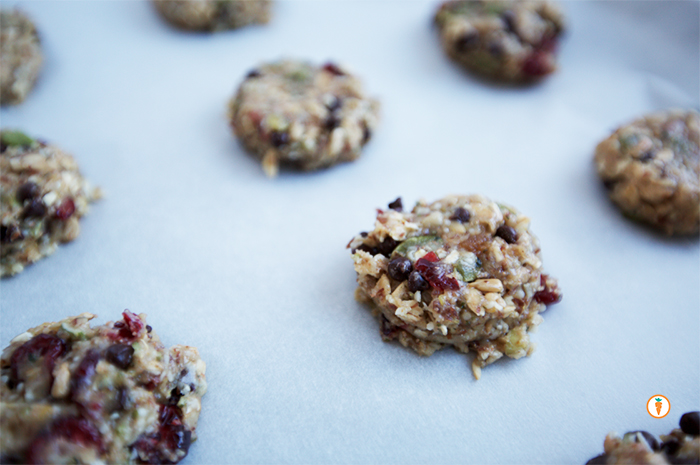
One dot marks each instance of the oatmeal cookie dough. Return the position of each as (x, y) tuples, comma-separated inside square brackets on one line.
[(214, 15), (463, 271), (42, 198), (682, 445), (305, 116), (651, 168), (504, 40), (71, 393), (20, 56)]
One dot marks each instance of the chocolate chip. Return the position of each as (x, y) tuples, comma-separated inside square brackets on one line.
[(278, 138), (387, 246), (366, 134), (10, 233), (508, 234), (609, 183), (400, 268), (149, 328), (123, 400), (120, 355), (466, 41), (35, 209), (508, 18), (670, 447), (690, 423), (462, 215), (333, 69), (599, 460), (331, 122), (650, 439), (27, 191), (364, 234), (253, 74), (366, 248), (495, 49), (397, 205), (416, 282), (646, 157)]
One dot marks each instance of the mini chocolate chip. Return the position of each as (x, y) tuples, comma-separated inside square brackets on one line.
[(149, 328), (120, 355), (495, 49), (508, 18), (27, 191), (3, 147), (10, 233), (466, 41), (462, 215), (508, 234), (366, 134), (123, 400), (397, 205), (253, 74), (368, 249), (609, 183), (35, 209), (333, 69), (174, 396), (400, 268), (683, 461), (278, 138), (690, 423), (364, 234), (649, 438), (416, 282), (599, 460), (331, 122), (646, 157), (387, 246), (670, 447)]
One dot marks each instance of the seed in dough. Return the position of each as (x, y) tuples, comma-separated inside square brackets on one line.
[(71, 393), (504, 40), (20, 56), (462, 271), (214, 15), (305, 116), (43, 197), (651, 168)]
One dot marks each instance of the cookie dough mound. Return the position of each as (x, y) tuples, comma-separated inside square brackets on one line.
[(463, 271), (651, 168), (305, 116), (43, 197), (504, 40), (682, 445), (20, 56), (110, 394), (214, 15)]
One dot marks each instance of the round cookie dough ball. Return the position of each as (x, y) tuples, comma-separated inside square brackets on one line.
[(71, 393), (305, 116), (43, 197), (682, 445), (214, 15), (504, 40), (20, 56), (463, 271), (651, 168)]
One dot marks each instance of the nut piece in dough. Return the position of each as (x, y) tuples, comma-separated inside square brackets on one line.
[(71, 393), (682, 445), (651, 168), (214, 15), (20, 56), (305, 116), (462, 271), (504, 40), (43, 197)]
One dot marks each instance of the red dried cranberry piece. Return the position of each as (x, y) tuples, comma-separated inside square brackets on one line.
[(537, 63), (65, 209), (130, 327), (547, 295), (72, 429), (171, 436), (42, 345), (82, 376), (435, 273), (333, 69)]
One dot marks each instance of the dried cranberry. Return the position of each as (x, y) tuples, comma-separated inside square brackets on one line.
[(120, 355), (253, 74), (10, 233), (547, 295), (35, 209), (333, 69), (130, 327), (396, 205), (537, 64), (507, 233), (171, 436), (416, 282), (65, 209), (71, 429), (435, 273), (466, 41), (82, 377), (279, 138), (462, 215), (27, 191), (400, 268), (42, 345)]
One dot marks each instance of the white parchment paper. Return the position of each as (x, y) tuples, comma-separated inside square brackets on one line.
[(254, 272)]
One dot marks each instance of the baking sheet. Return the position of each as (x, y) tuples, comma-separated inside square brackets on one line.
[(254, 272)]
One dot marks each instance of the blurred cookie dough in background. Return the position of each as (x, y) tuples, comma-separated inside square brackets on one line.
[(305, 116), (504, 40), (43, 197), (20, 56), (214, 15), (651, 168)]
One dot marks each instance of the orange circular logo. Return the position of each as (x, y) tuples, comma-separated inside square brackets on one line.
[(658, 406)]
